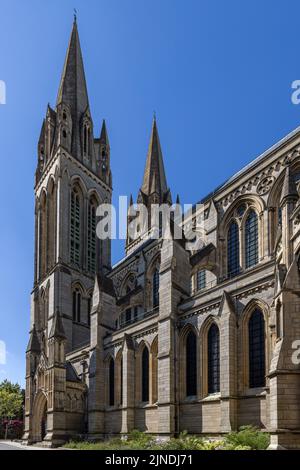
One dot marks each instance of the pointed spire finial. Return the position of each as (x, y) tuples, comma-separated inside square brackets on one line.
[(73, 89), (75, 15), (154, 115), (154, 179), (103, 133)]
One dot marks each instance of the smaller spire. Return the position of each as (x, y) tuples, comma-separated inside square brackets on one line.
[(130, 201), (104, 134), (289, 189), (154, 180), (177, 199), (57, 330), (33, 344)]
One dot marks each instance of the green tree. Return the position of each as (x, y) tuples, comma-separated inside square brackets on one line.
[(11, 402)]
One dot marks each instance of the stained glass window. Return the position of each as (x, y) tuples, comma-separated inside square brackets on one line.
[(155, 288), (233, 250), (76, 305), (251, 240), (89, 309), (75, 228), (201, 279), (257, 365), (91, 242), (145, 375), (213, 341), (121, 381), (111, 382), (191, 364)]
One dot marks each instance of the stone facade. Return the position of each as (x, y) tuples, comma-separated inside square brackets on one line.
[(96, 330)]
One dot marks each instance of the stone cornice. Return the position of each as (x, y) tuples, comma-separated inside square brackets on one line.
[(243, 294)]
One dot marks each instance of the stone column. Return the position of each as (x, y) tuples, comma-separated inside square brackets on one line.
[(284, 374), (174, 284), (228, 362), (33, 352), (56, 373), (102, 318), (128, 372)]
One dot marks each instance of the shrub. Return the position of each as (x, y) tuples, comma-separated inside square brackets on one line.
[(190, 442), (138, 440), (14, 429), (247, 436)]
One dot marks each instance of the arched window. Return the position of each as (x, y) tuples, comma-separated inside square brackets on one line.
[(191, 364), (278, 321), (51, 225), (251, 240), (44, 307), (89, 308), (43, 236), (86, 140), (75, 228), (279, 216), (127, 316), (91, 242), (233, 250), (76, 305), (201, 279), (111, 382), (213, 343), (153, 355), (257, 366), (155, 288), (121, 381), (160, 223), (145, 375)]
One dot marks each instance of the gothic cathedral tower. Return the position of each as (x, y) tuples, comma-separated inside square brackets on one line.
[(72, 178)]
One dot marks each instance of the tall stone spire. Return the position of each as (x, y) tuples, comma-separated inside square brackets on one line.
[(73, 90), (154, 180)]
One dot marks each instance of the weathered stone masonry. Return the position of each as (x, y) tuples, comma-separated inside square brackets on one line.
[(167, 340)]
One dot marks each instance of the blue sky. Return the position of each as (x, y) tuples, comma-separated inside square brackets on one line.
[(218, 74)]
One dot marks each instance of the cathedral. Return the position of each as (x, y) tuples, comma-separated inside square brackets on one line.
[(168, 339)]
